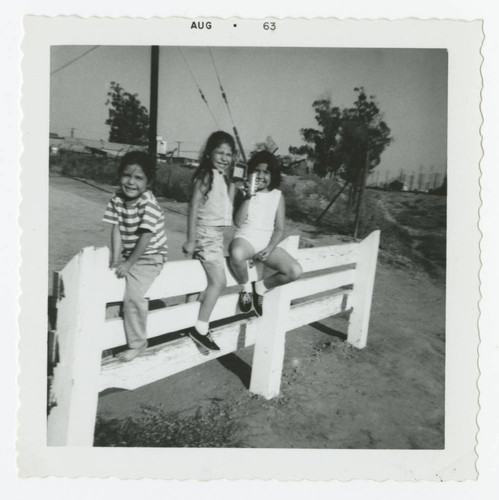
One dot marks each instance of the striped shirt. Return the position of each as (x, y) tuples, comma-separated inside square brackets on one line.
[(145, 215)]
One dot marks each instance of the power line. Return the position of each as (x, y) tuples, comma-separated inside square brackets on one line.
[(221, 88), (236, 133), (75, 59), (199, 88)]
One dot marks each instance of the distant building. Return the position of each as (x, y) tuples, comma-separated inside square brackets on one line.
[(96, 147), (183, 161), (161, 146)]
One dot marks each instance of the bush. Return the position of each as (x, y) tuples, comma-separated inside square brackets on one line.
[(174, 182), (171, 181), (103, 170)]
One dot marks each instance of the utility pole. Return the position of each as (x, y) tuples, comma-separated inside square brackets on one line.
[(178, 147), (153, 106), (361, 192)]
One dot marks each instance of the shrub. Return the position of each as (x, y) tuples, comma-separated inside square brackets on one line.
[(171, 181)]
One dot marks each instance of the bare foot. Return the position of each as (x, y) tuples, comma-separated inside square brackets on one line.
[(130, 354)]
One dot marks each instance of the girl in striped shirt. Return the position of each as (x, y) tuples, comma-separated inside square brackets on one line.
[(138, 244)]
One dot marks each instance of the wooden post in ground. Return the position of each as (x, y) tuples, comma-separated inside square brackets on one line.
[(363, 290), (80, 321), (268, 356)]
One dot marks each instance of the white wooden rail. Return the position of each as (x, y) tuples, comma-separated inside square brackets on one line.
[(86, 285)]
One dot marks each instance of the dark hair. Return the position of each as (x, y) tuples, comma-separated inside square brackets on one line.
[(273, 167), (140, 158), (205, 170)]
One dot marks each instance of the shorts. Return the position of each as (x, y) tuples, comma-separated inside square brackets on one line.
[(257, 239), (210, 246)]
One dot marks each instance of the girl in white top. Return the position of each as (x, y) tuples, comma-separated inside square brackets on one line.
[(260, 227)]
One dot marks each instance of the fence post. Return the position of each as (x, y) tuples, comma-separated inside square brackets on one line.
[(80, 317), (268, 355), (363, 290)]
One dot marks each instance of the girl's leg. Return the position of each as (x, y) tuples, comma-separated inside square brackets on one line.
[(240, 251), (215, 274), (288, 269), (216, 285)]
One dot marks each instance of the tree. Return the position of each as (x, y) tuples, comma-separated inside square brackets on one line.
[(442, 189), (267, 145), (320, 144), (396, 185), (346, 138), (128, 118)]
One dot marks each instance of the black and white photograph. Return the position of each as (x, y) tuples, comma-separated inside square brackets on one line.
[(248, 246)]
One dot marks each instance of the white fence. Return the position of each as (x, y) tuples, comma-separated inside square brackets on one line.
[(86, 285)]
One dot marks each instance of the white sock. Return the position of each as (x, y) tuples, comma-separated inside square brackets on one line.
[(246, 287), (202, 327), (260, 288)]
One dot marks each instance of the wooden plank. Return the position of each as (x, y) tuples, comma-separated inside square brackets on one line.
[(60, 394), (322, 283), (169, 319), (81, 318), (181, 354), (175, 356), (313, 259), (363, 290), (268, 355), (317, 309), (178, 277), (184, 316)]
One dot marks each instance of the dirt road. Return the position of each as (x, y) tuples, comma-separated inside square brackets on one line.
[(388, 395)]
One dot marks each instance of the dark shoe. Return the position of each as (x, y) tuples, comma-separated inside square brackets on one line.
[(203, 340), (257, 302), (245, 301)]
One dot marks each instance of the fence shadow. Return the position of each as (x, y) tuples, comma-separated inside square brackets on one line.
[(329, 331), (238, 367)]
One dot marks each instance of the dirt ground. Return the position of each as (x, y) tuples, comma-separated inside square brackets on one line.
[(389, 395)]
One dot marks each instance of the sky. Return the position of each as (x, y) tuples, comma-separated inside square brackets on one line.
[(270, 93)]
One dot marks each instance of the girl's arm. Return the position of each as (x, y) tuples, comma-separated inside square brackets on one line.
[(241, 209), (235, 187), (115, 246), (196, 198), (123, 267), (278, 231)]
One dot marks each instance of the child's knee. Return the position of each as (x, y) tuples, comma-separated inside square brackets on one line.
[(237, 253), (295, 271), (218, 281)]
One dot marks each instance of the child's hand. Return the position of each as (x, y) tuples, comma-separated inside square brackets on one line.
[(188, 248), (243, 186), (113, 263), (264, 254), (122, 268)]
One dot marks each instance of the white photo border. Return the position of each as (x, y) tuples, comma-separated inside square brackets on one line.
[(463, 40)]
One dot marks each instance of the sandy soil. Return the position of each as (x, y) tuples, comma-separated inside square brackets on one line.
[(388, 395)]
